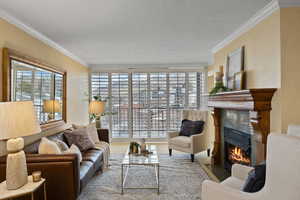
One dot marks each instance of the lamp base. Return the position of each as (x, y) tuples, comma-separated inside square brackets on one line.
[(98, 123), (16, 168), (51, 116)]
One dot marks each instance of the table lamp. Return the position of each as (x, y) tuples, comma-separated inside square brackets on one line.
[(51, 107), (97, 108), (17, 119)]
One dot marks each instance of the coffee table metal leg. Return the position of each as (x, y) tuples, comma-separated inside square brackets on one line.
[(157, 179), (122, 183)]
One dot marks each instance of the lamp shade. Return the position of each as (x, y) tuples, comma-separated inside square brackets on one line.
[(18, 119), (96, 107), (51, 106)]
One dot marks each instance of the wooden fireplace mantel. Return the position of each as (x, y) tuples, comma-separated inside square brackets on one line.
[(257, 102)]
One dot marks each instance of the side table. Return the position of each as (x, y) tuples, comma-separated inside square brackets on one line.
[(29, 188), (103, 134)]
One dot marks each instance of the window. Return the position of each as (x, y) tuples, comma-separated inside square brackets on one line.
[(100, 87), (140, 104), (177, 98), (148, 104), (27, 79), (120, 104)]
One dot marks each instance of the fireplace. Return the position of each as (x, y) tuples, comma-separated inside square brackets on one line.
[(257, 104), (237, 148)]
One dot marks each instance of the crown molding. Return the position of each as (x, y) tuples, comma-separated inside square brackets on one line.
[(258, 17), (148, 67), (289, 3), (34, 33)]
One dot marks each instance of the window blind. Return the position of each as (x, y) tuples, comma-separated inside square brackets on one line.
[(148, 104)]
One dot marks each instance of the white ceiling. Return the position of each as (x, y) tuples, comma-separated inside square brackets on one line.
[(135, 31)]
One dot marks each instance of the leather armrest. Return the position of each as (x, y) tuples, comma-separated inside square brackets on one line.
[(60, 171)]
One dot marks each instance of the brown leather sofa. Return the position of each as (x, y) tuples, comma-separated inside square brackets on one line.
[(65, 177)]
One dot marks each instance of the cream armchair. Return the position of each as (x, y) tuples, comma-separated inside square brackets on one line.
[(195, 143), (282, 175)]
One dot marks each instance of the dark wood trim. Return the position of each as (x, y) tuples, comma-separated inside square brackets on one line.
[(9, 55), (13, 54), (252, 99), (6, 75), (257, 102), (65, 97), (216, 153)]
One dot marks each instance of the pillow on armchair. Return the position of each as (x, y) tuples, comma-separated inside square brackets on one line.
[(189, 127)]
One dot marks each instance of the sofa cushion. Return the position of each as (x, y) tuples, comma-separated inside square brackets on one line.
[(95, 156), (34, 147), (189, 128), (48, 147), (61, 144), (181, 141), (80, 138), (74, 150), (86, 173), (91, 130)]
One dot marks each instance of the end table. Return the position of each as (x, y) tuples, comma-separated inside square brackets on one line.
[(29, 188)]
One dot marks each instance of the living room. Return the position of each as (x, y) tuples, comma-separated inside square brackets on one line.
[(149, 99)]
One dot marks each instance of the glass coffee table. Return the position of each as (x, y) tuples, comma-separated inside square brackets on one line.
[(138, 160)]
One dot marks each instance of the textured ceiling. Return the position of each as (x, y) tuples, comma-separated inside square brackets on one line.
[(135, 31)]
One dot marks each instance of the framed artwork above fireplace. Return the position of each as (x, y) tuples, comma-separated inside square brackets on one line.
[(234, 65)]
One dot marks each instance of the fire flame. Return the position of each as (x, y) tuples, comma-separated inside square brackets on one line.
[(237, 155)]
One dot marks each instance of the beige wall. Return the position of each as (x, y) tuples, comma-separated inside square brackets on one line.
[(290, 42), (77, 74), (262, 60)]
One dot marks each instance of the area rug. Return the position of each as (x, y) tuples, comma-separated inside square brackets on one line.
[(180, 179)]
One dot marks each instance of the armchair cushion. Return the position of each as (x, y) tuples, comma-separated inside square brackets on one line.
[(234, 182), (181, 141), (189, 127)]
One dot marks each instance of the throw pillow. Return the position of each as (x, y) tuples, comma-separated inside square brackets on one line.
[(256, 179), (189, 127), (74, 150), (62, 145), (80, 138), (48, 147), (91, 130)]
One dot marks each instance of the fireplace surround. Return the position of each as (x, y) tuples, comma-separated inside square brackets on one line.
[(257, 104)]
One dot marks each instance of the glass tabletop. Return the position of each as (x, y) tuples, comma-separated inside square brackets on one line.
[(150, 159)]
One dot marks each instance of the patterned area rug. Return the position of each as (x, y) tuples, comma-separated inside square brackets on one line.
[(180, 179)]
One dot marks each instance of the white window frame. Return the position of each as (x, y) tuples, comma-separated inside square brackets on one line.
[(130, 71)]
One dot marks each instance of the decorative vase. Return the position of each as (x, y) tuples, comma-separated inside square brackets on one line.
[(135, 149), (143, 145)]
